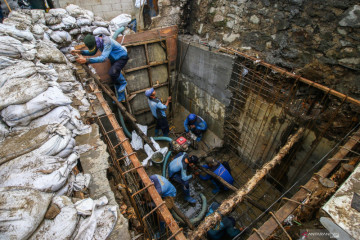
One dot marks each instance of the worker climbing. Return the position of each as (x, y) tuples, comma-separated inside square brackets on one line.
[(111, 50), (158, 111), (220, 169), (196, 125), (177, 172)]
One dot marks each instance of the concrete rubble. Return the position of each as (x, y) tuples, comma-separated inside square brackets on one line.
[(42, 133)]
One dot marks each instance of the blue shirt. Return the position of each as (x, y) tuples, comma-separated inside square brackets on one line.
[(109, 49), (163, 186), (199, 123), (221, 171), (179, 165), (157, 107)]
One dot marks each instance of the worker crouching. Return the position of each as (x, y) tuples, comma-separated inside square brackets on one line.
[(195, 125), (177, 172)]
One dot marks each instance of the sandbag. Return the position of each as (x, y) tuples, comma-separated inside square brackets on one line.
[(58, 12), (19, 17), (69, 22), (23, 69), (38, 16), (6, 62), (120, 21), (10, 47), (75, 31), (83, 22), (38, 31), (60, 37), (23, 143), (48, 53), (76, 12), (86, 29), (6, 30), (99, 22), (22, 210), (67, 87), (36, 107), (76, 125), (62, 226), (52, 20), (43, 173), (101, 30), (101, 222), (57, 27), (56, 143), (21, 90), (66, 73), (68, 149)]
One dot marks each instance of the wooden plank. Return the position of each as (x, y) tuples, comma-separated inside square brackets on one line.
[(270, 225), (150, 64), (163, 210)]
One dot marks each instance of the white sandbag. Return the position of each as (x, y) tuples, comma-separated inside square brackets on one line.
[(75, 10), (49, 72), (21, 90), (101, 222), (21, 35), (68, 149), (48, 53), (65, 73), (75, 124), (57, 27), (75, 183), (60, 36), (6, 62), (86, 29), (19, 17), (62, 226), (136, 140), (85, 105), (30, 51), (37, 30), (38, 16), (56, 116), (56, 143), (101, 30), (120, 21), (52, 20), (10, 47), (38, 106), (75, 31), (67, 87), (22, 211), (4, 131), (69, 22), (99, 22), (83, 22), (23, 69), (43, 173), (58, 12), (150, 152)]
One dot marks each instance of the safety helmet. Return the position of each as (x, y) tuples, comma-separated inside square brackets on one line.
[(193, 159), (149, 92), (191, 117)]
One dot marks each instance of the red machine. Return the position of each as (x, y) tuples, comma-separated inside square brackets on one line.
[(180, 145)]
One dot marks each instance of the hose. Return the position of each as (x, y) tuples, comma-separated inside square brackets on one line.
[(117, 32), (123, 125), (199, 217)]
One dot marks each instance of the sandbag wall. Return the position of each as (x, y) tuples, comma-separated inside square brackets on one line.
[(41, 106)]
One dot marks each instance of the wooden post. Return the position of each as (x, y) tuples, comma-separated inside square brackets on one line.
[(130, 117), (229, 204), (183, 217)]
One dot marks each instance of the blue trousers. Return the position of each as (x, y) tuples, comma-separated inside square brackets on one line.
[(117, 78), (120, 85), (184, 184)]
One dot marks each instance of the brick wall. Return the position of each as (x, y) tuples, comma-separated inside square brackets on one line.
[(106, 9)]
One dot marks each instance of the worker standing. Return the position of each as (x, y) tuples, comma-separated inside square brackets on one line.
[(177, 172), (220, 170), (196, 125), (158, 111), (110, 49)]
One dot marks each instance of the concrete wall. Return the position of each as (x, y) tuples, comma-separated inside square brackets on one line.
[(106, 9), (203, 83)]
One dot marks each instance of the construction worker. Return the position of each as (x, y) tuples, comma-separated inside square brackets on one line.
[(158, 111), (222, 170), (177, 172), (225, 229), (110, 49), (196, 125), (165, 189)]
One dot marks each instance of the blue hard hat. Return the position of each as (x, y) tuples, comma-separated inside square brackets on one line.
[(149, 92), (192, 117)]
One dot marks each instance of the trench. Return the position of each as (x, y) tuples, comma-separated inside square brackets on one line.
[(251, 108)]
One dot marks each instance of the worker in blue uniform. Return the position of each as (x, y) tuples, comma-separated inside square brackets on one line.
[(177, 172), (223, 230), (158, 111), (219, 169), (196, 125), (110, 49)]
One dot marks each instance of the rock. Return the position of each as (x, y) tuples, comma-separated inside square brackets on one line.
[(230, 24), (254, 19), (218, 18), (230, 37), (351, 61), (297, 2), (351, 17), (341, 31), (266, 3)]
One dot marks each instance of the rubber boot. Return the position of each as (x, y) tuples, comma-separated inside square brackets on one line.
[(188, 198)]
